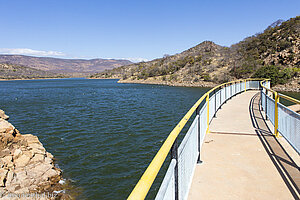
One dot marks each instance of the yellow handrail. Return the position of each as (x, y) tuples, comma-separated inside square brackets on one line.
[(269, 89), (142, 187), (289, 98)]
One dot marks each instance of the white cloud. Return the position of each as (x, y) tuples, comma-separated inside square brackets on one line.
[(30, 52), (135, 60)]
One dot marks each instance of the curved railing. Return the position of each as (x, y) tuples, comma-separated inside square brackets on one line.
[(285, 121), (178, 177)]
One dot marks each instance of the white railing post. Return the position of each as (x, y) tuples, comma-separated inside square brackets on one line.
[(199, 135), (174, 155)]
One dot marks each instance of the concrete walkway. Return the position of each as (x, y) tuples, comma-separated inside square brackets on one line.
[(241, 158)]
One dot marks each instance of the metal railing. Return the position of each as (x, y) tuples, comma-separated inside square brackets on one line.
[(285, 121), (184, 158)]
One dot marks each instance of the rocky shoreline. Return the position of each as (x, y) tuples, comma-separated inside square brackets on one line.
[(293, 86), (27, 170), (288, 87), (169, 83)]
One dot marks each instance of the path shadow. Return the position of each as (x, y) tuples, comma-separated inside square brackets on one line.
[(236, 134), (285, 165)]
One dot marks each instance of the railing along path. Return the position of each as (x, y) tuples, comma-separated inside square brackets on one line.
[(184, 157)]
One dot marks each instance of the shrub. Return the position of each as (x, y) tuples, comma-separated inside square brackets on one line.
[(274, 73), (173, 77), (269, 71), (242, 71), (206, 77), (124, 77)]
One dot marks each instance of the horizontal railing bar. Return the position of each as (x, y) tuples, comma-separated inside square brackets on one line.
[(279, 94), (269, 89), (289, 98)]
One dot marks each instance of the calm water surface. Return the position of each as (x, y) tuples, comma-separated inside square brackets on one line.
[(103, 134)]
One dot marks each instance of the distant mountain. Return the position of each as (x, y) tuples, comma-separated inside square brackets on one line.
[(8, 71), (64, 66), (274, 54)]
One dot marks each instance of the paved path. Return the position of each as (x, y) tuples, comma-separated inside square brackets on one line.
[(241, 158)]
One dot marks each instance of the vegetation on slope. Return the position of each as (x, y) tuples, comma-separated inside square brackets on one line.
[(8, 71), (272, 54)]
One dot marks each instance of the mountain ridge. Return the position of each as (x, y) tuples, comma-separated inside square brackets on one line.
[(274, 54), (62, 65)]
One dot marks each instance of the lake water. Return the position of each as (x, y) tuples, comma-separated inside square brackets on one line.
[(103, 134)]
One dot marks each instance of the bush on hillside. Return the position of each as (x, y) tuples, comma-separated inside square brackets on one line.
[(274, 73)]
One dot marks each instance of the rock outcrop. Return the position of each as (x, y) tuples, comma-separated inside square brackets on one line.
[(26, 168)]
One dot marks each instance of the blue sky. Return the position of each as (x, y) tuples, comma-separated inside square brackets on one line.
[(131, 29)]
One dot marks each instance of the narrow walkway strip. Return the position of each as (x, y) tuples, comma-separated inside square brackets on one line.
[(242, 159)]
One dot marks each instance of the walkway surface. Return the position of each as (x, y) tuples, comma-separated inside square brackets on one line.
[(242, 159)]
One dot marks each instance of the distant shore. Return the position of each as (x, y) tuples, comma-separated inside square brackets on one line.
[(102, 78), (23, 79)]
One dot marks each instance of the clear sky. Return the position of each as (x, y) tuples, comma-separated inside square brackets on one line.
[(132, 29)]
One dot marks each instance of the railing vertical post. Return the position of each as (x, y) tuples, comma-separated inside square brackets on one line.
[(174, 155), (261, 94), (215, 103), (233, 88), (266, 104), (245, 85), (261, 102), (241, 86), (199, 135), (207, 102), (276, 114), (225, 92), (220, 96), (236, 86)]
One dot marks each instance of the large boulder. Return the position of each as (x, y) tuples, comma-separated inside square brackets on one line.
[(25, 165)]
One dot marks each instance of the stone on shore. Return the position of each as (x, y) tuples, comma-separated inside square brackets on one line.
[(3, 115), (25, 165)]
